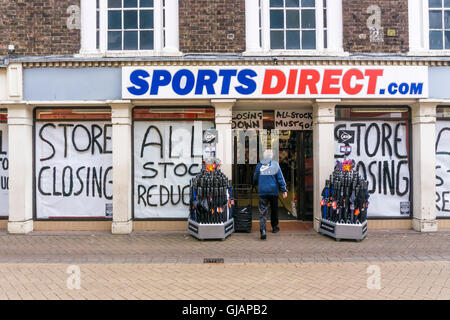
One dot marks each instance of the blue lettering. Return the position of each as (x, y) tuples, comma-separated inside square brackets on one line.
[(392, 88), (140, 85), (227, 75), (176, 82), (206, 78), (160, 78), (416, 88), (248, 85), (404, 88)]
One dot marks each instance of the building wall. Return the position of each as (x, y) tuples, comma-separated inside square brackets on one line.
[(38, 27), (393, 18), (212, 26)]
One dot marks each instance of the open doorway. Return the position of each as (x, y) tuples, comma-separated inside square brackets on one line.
[(296, 163)]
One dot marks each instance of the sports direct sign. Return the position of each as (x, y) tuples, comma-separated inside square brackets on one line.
[(274, 82)]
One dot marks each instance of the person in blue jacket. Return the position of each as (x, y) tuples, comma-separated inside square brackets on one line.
[(270, 181)]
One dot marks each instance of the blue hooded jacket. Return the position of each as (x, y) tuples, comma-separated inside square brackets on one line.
[(269, 178)]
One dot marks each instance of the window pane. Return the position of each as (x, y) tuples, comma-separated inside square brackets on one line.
[(114, 40), (447, 19), (276, 39), (324, 3), (276, 19), (435, 3), (146, 40), (308, 39), (130, 3), (292, 39), (115, 19), (325, 40), (292, 3), (435, 19), (292, 19), (447, 39), (146, 19), (276, 3), (130, 40), (436, 40), (324, 18), (98, 20), (130, 19), (308, 3), (114, 3), (308, 19), (447, 3), (146, 3)]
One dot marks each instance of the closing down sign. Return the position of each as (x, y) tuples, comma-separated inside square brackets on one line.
[(274, 82)]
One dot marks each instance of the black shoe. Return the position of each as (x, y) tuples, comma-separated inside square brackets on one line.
[(275, 229), (263, 235)]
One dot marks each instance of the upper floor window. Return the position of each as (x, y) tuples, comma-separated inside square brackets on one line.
[(129, 27), (293, 26), (439, 24), (429, 27)]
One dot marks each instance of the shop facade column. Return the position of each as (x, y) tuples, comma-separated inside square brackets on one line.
[(20, 171), (121, 118), (424, 166), (323, 152), (224, 148)]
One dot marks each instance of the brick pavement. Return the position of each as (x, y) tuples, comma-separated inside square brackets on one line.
[(289, 265)]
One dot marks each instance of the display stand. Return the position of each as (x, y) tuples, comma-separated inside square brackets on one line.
[(343, 230), (204, 231)]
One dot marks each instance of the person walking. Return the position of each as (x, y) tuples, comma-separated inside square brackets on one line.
[(270, 181)]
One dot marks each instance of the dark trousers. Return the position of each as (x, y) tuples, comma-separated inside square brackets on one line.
[(264, 202)]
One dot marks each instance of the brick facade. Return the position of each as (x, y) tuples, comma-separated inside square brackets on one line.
[(212, 26), (37, 27), (394, 18)]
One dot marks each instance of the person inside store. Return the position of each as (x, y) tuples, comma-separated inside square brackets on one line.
[(270, 181)]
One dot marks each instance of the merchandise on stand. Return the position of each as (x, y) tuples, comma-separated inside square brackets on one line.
[(344, 204), (211, 203)]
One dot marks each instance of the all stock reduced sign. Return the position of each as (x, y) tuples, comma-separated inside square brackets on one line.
[(274, 82)]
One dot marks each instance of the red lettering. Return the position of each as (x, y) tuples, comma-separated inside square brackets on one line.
[(373, 75), (268, 77), (330, 80), (292, 81), (347, 81), (308, 78)]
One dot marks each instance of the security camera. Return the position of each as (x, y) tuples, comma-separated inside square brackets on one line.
[(11, 48), (275, 61)]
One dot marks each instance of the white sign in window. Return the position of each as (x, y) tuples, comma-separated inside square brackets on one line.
[(443, 168), (73, 169), (4, 164)]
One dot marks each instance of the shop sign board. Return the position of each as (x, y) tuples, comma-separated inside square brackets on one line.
[(272, 82), (380, 149), (443, 169), (167, 155), (4, 164), (73, 169)]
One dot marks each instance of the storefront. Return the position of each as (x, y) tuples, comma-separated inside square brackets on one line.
[(121, 142)]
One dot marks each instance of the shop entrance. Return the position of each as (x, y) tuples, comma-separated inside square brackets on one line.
[(296, 163)]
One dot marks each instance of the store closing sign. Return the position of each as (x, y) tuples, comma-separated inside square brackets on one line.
[(73, 169), (293, 120), (167, 155), (4, 164), (443, 168), (246, 120), (274, 82), (380, 149)]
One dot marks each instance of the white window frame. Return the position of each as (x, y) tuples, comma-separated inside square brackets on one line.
[(334, 30), (166, 40), (419, 30)]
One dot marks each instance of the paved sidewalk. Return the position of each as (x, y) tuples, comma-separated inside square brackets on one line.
[(289, 265)]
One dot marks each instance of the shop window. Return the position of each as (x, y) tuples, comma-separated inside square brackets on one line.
[(73, 163), (4, 164), (378, 139), (443, 162), (129, 27), (168, 152), (290, 26)]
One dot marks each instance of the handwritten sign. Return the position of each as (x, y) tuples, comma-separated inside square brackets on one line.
[(4, 164), (293, 120), (245, 120)]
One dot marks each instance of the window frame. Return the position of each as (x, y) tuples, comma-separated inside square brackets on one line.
[(166, 38), (419, 30), (258, 27)]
